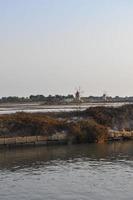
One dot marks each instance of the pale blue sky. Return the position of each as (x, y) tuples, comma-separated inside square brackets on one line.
[(53, 46)]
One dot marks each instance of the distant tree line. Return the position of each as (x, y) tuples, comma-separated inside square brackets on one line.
[(36, 98), (57, 99)]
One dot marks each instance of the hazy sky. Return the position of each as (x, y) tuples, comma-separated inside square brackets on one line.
[(54, 46)]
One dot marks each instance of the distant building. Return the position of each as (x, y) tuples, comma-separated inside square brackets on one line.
[(68, 100)]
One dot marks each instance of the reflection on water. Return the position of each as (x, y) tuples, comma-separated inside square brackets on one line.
[(94, 171)]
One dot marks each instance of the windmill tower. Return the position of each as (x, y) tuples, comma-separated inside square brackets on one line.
[(78, 93), (104, 97)]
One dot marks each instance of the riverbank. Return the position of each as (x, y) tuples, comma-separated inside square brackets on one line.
[(93, 125)]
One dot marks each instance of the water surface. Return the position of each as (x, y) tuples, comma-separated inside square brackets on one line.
[(9, 108), (84, 172)]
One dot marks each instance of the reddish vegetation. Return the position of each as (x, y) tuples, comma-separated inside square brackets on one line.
[(120, 117), (88, 131), (81, 126), (25, 124), (28, 124)]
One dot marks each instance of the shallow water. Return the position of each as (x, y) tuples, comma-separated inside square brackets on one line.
[(34, 108), (84, 172)]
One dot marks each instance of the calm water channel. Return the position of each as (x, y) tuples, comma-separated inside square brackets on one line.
[(78, 172)]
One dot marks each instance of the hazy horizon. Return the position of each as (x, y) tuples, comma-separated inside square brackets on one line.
[(52, 47)]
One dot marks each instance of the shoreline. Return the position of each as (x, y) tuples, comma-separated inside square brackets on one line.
[(34, 141)]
